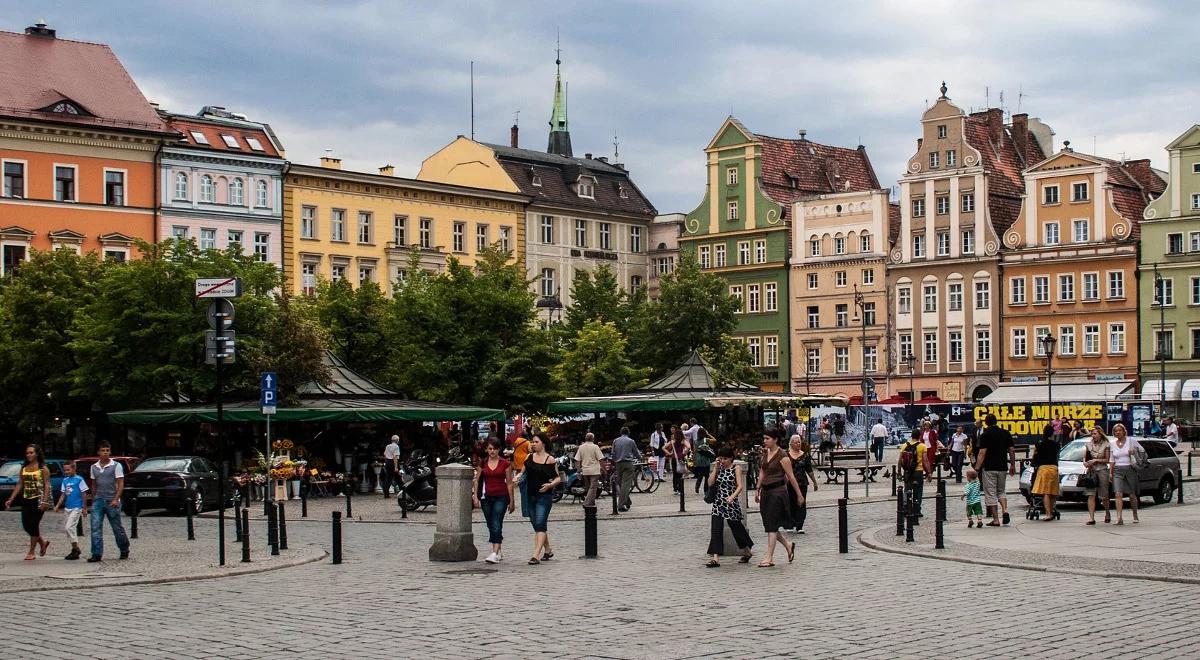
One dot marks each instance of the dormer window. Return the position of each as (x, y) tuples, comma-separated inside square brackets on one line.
[(199, 137), (255, 144), (537, 180), (621, 192), (65, 108), (230, 141), (586, 187)]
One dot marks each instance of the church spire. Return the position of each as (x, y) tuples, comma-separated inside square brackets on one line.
[(560, 136)]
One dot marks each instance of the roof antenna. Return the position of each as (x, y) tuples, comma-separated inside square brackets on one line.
[(616, 148), (1020, 96), (472, 100)]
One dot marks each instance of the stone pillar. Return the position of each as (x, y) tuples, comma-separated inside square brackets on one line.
[(453, 539), (731, 548)]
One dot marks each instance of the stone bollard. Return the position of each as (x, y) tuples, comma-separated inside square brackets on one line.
[(453, 539), (731, 549)]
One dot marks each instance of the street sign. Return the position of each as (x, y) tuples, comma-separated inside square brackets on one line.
[(218, 287), (220, 344), (220, 314), (268, 387), (868, 386)]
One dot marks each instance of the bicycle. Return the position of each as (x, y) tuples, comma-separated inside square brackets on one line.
[(645, 480)]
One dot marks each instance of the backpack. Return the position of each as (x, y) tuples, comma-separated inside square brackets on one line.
[(908, 458)]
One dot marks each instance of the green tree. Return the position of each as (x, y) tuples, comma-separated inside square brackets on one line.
[(731, 361), (357, 323), (293, 346), (597, 363)]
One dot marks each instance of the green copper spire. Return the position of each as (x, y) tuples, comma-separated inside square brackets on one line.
[(560, 137)]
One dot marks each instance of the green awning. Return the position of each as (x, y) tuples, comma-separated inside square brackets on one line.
[(315, 410)]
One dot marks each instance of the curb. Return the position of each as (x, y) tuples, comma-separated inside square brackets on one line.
[(70, 584), (1023, 567)]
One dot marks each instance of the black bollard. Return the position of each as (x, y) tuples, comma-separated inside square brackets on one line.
[(682, 507), (846, 483), (133, 516), (900, 512), (273, 529), (304, 499), (282, 528), (349, 497), (843, 528), (940, 522), (237, 520), (245, 535), (337, 537), (909, 518), (403, 503), (893, 472), (189, 509), (941, 501), (1179, 482), (590, 550)]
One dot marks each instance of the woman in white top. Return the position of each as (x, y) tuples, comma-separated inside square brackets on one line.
[(958, 451), (1124, 470)]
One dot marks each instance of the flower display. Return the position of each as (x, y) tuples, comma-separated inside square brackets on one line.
[(282, 444)]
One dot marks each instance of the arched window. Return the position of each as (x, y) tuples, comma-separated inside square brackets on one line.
[(237, 192), (181, 185), (261, 194), (208, 192)]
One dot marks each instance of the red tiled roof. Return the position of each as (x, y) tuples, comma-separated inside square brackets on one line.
[(893, 222), (213, 130), (40, 71), (794, 169), (1133, 184), (1003, 163)]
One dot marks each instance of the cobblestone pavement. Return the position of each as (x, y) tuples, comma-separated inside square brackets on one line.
[(647, 597)]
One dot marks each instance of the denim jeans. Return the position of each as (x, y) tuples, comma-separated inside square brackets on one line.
[(956, 462), (493, 514), (877, 448), (103, 508), (539, 510)]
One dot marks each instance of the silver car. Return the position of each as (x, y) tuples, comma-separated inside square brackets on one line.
[(1157, 481)]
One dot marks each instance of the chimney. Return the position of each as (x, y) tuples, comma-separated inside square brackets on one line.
[(602, 159), (512, 142), (39, 29), (995, 125), (1020, 131), (587, 156), (328, 161), (387, 170)]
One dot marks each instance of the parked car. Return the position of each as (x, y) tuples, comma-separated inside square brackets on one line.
[(10, 476), (83, 466), (1157, 481), (172, 482)]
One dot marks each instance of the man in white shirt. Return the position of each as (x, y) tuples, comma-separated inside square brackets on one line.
[(879, 434), (391, 466), (657, 440)]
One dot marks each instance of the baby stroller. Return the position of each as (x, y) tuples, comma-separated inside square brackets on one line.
[(1036, 507)]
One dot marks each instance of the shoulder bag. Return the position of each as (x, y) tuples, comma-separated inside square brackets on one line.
[(710, 491)]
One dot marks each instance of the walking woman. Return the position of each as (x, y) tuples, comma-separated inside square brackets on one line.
[(800, 454), (493, 492), (34, 490), (540, 477), (1124, 470), (774, 477), (726, 509), (1096, 458), (1045, 465)]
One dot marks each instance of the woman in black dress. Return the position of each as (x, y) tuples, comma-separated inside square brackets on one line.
[(800, 455), (774, 477)]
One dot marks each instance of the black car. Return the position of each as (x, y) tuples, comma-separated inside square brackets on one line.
[(172, 482)]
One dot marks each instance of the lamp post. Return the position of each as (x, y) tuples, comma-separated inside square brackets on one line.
[(861, 312), (552, 304), (1159, 349), (911, 361), (1048, 342)]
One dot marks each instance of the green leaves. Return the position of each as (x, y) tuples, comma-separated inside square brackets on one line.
[(597, 363)]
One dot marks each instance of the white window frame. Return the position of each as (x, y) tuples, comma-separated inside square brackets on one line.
[(581, 233), (458, 237), (366, 228), (74, 180), (1194, 287), (814, 247), (208, 189), (1116, 277), (1039, 331), (400, 230), (1164, 294), (772, 350), (839, 245), (1087, 192), (548, 282), (943, 243), (870, 359), (1076, 223), (1066, 287), (737, 292), (918, 207), (704, 256), (934, 158), (586, 188), (864, 243), (237, 192), (234, 237), (755, 346), (954, 340), (337, 225), (182, 181), (719, 255), (753, 298), (1041, 289), (904, 300), (929, 298), (1091, 280), (954, 297), (1091, 339), (547, 230), (841, 359), (983, 345), (1016, 290), (968, 241), (731, 210), (425, 233), (208, 238), (262, 194), (1019, 342), (760, 251), (813, 281), (24, 178), (771, 297), (731, 176), (1066, 340), (482, 234), (1164, 343), (124, 186), (1047, 237), (930, 347), (605, 231), (983, 294), (918, 246), (943, 204), (1116, 338), (1046, 195), (967, 202), (262, 246), (868, 276), (743, 258), (635, 239), (812, 361), (904, 344), (951, 158), (839, 279), (505, 238)]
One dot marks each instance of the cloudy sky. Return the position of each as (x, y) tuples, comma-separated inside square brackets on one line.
[(387, 81)]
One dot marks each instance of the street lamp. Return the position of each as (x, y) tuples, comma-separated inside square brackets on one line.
[(552, 304), (1160, 350), (1048, 342), (861, 311), (911, 361)]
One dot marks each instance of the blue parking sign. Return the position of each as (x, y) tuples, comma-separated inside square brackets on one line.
[(269, 388)]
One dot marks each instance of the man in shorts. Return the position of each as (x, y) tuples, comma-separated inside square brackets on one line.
[(995, 460)]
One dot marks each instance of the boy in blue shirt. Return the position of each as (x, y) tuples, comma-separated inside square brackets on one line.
[(73, 489)]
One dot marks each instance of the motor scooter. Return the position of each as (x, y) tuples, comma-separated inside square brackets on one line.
[(418, 483), (570, 479)]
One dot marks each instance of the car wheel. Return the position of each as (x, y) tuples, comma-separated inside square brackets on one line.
[(1166, 488)]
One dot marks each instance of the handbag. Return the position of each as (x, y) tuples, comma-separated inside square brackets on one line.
[(710, 492), (1086, 480)]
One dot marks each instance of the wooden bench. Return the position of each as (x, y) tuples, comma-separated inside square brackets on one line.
[(846, 460)]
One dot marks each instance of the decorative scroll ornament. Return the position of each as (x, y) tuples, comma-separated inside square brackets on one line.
[(693, 224), (1120, 230), (991, 248), (772, 217), (1012, 239), (897, 255)]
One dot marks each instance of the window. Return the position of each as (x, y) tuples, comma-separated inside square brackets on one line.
[(753, 298), (1066, 287), (208, 239), (426, 233), (771, 293), (904, 300), (199, 137), (64, 183), (14, 179), (536, 181), (814, 317), (1041, 289), (481, 238), (705, 256), (760, 252), (943, 204), (918, 244), (868, 276), (732, 210), (743, 253), (755, 346), (1066, 340), (719, 255), (1080, 228), (1016, 293), (548, 288), (365, 274), (1174, 243), (931, 347), (635, 239), (839, 245), (941, 131), (254, 144), (918, 207), (260, 195), (731, 176), (118, 256), (581, 233), (1039, 348), (869, 314), (736, 292), (933, 159), (1091, 339), (983, 295), (968, 202), (587, 188), (635, 282), (954, 346), (951, 158), (337, 272), (664, 265), (1196, 168), (906, 345), (983, 345), (1195, 343), (1079, 192), (1195, 299), (308, 278), (1049, 194), (114, 188), (930, 296), (839, 278), (772, 351), (968, 241), (181, 185), (230, 141), (814, 247), (841, 316), (864, 243), (812, 359), (954, 297), (812, 280), (400, 230), (1195, 201), (548, 230), (262, 246), (841, 359), (237, 192), (337, 225), (179, 231), (457, 238), (605, 236), (870, 359), (1050, 230), (234, 237), (1164, 292), (943, 244), (1019, 348), (1116, 338), (208, 191), (506, 239), (1164, 344), (1116, 284), (364, 227)]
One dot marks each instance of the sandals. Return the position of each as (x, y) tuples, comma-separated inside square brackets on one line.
[(547, 556), (534, 560), (712, 563), (30, 557), (765, 564), (791, 552), (744, 559), (1090, 522), (46, 544)]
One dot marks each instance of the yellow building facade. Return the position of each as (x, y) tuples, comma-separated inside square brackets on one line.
[(339, 224)]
